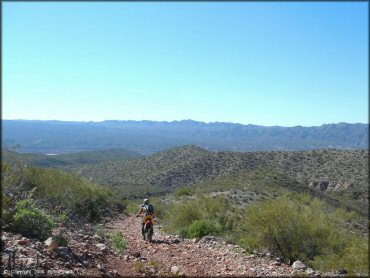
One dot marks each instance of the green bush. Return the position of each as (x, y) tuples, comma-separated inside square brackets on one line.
[(32, 222), (201, 228), (118, 242), (91, 209), (59, 192), (7, 210), (184, 192), (201, 216), (102, 231), (354, 258), (63, 218), (62, 240), (300, 229)]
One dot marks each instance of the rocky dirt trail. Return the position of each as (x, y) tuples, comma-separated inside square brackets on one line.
[(171, 255), (90, 255)]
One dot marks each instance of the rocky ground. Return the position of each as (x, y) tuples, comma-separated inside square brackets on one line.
[(171, 255), (91, 254), (84, 255)]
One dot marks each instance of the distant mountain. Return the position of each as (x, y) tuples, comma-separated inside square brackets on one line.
[(148, 137)]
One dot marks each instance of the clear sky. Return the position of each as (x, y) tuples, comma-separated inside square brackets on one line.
[(262, 63)]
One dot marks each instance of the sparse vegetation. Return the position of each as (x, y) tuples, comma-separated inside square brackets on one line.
[(63, 218), (32, 197), (200, 217), (32, 222), (184, 192), (201, 228), (102, 231), (293, 227), (139, 267), (61, 239), (59, 194), (300, 228), (189, 168), (118, 242)]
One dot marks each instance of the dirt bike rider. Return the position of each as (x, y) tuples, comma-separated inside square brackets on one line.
[(148, 211)]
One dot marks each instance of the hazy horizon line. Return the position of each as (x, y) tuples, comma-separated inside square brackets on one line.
[(183, 120)]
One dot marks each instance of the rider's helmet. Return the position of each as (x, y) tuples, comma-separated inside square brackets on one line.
[(146, 201)]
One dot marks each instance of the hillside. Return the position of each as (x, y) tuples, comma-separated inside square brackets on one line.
[(148, 137), (339, 176)]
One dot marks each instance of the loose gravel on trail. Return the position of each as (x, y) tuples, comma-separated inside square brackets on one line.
[(171, 255)]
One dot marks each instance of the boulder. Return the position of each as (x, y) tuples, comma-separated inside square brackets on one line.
[(100, 245), (175, 269), (51, 243), (310, 271), (298, 265)]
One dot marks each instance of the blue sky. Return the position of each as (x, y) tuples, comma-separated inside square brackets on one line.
[(262, 63)]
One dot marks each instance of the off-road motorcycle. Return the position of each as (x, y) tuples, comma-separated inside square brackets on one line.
[(147, 229)]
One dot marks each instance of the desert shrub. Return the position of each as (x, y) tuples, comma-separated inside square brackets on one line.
[(8, 210), (91, 209), (118, 242), (102, 231), (203, 215), (31, 221), (159, 207), (139, 267), (184, 192), (132, 207), (57, 192), (72, 193), (299, 228), (17, 180), (201, 228), (354, 257), (62, 240), (63, 217)]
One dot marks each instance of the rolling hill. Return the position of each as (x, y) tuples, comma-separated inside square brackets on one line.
[(338, 176), (341, 177)]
